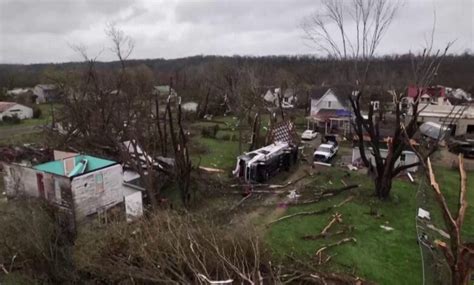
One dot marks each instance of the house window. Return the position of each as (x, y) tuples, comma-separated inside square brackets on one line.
[(99, 182), (329, 104), (402, 157)]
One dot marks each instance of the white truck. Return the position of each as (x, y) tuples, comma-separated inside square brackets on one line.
[(326, 151), (259, 165)]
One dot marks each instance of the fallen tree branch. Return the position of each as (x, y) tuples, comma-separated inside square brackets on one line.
[(342, 241), (318, 212), (241, 201), (325, 194), (336, 218), (327, 235)]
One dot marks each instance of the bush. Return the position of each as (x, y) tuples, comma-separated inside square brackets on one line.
[(210, 132), (33, 244), (13, 120), (226, 137), (36, 112), (185, 248)]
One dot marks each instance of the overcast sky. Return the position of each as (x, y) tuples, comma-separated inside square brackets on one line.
[(34, 31)]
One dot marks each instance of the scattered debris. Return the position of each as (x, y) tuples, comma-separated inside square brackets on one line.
[(293, 194), (352, 167), (318, 212), (322, 163), (441, 232), (387, 228), (327, 193), (211, 170), (423, 214)]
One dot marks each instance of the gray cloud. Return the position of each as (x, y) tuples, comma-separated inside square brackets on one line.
[(41, 30)]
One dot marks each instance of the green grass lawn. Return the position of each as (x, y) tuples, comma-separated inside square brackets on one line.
[(378, 255), (218, 153)]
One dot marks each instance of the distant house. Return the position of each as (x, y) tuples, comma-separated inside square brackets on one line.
[(436, 107), (78, 185), (459, 118), (289, 96), (271, 97), (11, 109), (330, 109), (46, 93), (435, 95)]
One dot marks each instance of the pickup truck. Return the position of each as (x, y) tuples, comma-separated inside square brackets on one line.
[(325, 152)]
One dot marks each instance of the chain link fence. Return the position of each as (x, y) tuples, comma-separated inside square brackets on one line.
[(435, 268)]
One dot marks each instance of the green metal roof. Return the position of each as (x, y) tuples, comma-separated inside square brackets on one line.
[(57, 166)]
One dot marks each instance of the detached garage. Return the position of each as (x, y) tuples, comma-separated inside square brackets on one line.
[(11, 109)]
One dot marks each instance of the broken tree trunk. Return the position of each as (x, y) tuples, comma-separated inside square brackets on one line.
[(459, 255)]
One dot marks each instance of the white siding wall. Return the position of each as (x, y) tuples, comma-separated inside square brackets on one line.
[(23, 112), (91, 196), (328, 101), (20, 180)]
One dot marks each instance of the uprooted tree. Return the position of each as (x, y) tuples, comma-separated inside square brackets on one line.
[(459, 255), (355, 47)]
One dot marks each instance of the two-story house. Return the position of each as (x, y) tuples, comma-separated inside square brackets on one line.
[(330, 109)]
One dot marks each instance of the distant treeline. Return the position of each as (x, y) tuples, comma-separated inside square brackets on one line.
[(456, 71)]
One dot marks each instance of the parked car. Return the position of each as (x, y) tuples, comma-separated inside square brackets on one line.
[(309, 135), (325, 152), (465, 147)]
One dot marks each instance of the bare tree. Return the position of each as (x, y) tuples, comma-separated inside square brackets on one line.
[(356, 51)]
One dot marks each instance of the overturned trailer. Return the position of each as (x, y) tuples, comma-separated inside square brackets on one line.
[(259, 165)]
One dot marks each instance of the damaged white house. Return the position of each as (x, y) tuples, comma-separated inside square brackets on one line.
[(80, 185)]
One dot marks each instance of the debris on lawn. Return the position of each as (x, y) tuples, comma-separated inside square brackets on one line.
[(326, 194), (309, 213), (293, 194), (211, 169), (387, 228), (423, 214), (306, 213), (439, 231), (352, 167)]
